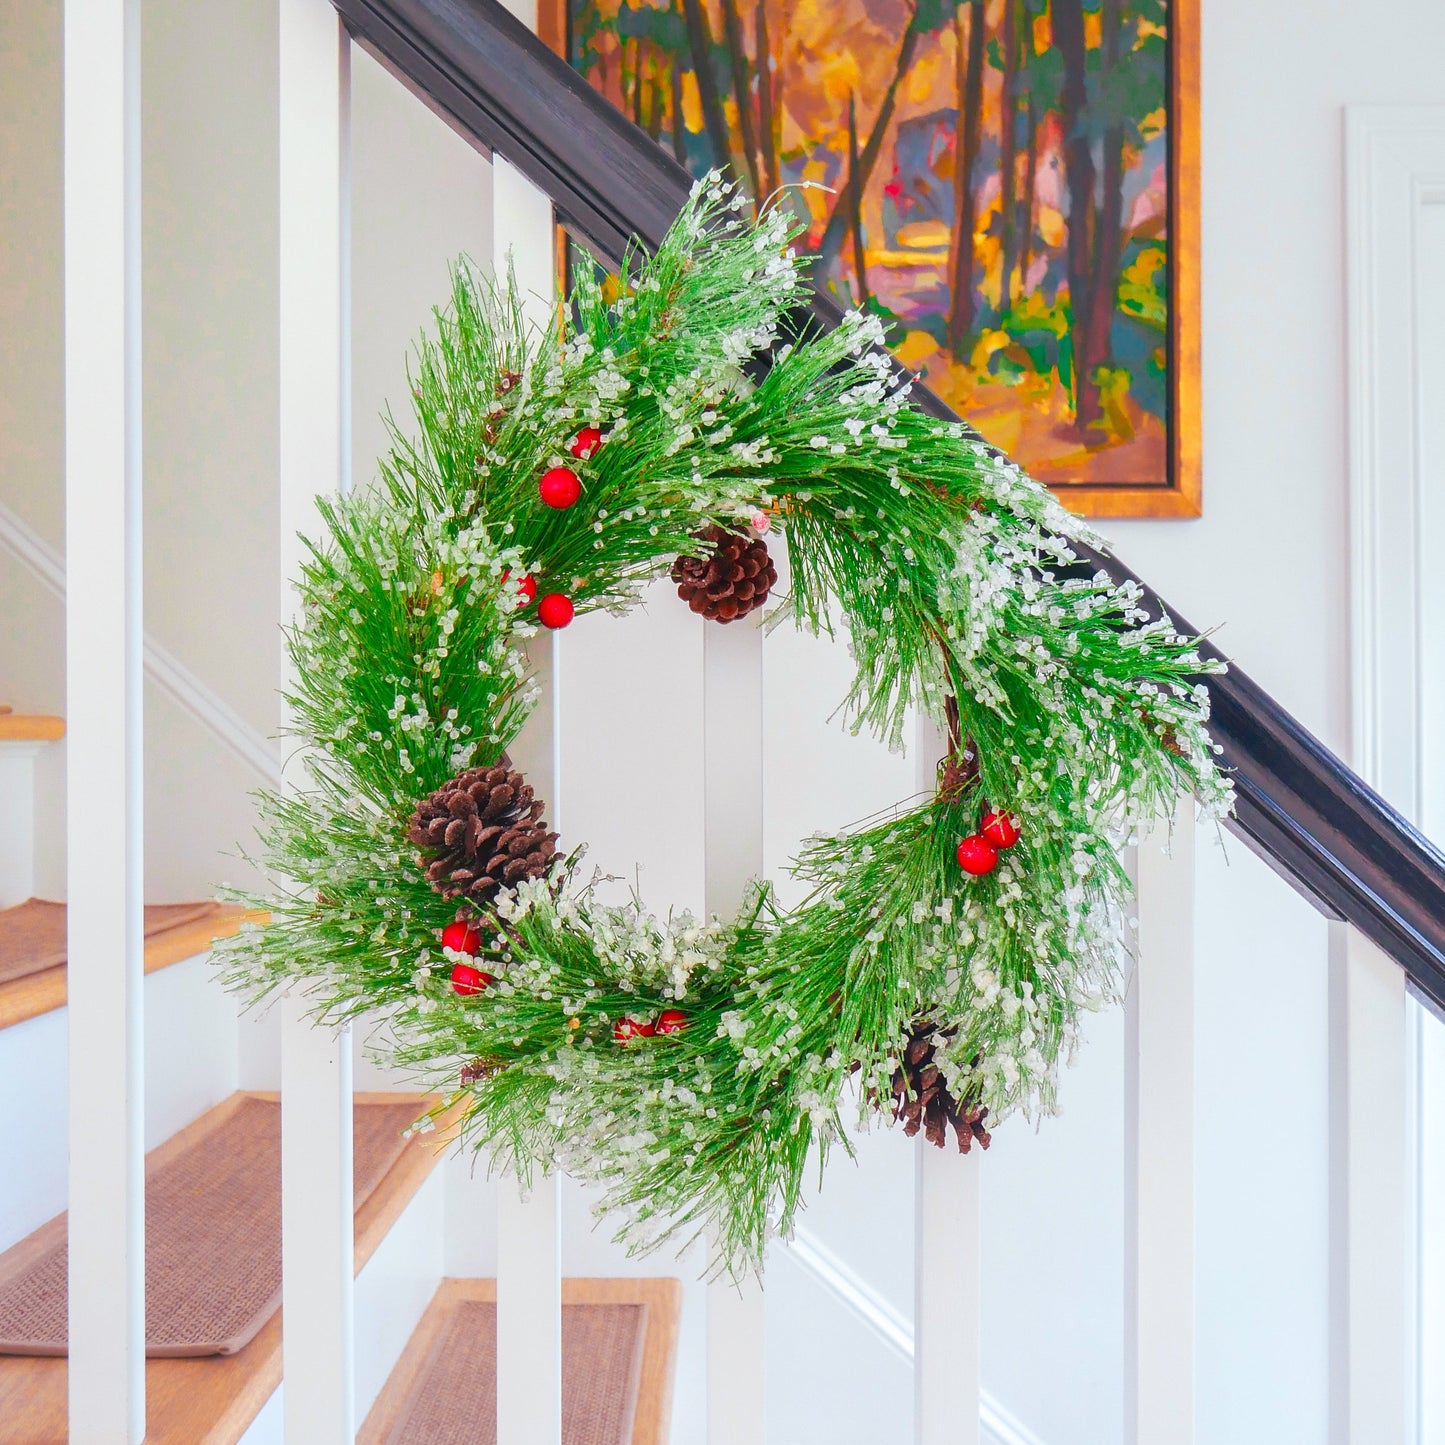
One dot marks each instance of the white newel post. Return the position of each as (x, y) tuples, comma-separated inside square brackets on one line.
[(1159, 1147), (947, 1253), (529, 1228), (316, 1102), (733, 856), (103, 704)]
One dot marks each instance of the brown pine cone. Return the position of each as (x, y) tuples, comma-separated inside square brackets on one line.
[(922, 1101), (731, 580), (482, 831)]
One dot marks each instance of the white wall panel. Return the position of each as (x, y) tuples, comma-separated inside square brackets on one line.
[(631, 730), (1262, 1162), (396, 1286), (1053, 1253)]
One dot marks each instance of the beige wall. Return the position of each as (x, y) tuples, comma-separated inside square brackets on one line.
[(421, 196), (209, 177), (31, 435)]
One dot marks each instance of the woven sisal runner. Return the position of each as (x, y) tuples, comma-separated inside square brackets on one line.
[(32, 934), (453, 1398), (213, 1235)]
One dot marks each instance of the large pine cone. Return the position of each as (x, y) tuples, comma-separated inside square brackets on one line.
[(922, 1100), (731, 580), (482, 831)]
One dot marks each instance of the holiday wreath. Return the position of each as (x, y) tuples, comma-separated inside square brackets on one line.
[(942, 955)]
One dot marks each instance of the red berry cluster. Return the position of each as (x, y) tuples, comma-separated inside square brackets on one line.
[(560, 488), (461, 937), (669, 1021), (978, 853)]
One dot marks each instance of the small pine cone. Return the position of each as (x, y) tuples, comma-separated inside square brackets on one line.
[(731, 580), (482, 831), (475, 1070), (923, 1102)]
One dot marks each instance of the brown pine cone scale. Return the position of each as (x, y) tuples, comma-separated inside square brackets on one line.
[(482, 831), (923, 1102), (731, 580)]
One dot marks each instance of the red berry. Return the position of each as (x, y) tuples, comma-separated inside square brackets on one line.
[(671, 1021), (1000, 829), (645, 1028), (585, 443), (977, 855), (527, 587), (625, 1030), (555, 610), (559, 487), (461, 937), (467, 980)]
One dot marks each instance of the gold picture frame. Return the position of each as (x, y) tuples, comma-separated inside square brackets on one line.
[(626, 44)]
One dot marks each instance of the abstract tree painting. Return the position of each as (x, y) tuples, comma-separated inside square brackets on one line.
[(1010, 185)]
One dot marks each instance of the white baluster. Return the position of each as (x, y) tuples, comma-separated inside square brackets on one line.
[(315, 428), (103, 703), (1159, 1148), (1372, 1183), (529, 1230), (947, 1250), (733, 809), (947, 1300)]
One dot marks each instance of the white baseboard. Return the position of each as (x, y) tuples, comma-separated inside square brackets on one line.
[(162, 668), (834, 1274)]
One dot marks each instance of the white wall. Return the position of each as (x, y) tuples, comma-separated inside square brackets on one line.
[(1267, 563), (209, 383)]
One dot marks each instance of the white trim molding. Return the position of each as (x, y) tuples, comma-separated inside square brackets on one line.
[(1395, 169), (162, 667), (1394, 189), (893, 1328)]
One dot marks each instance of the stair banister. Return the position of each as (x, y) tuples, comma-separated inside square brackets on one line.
[(1307, 814), (104, 858), (314, 435)]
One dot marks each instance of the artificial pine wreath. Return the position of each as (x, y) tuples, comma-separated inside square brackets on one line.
[(942, 955)]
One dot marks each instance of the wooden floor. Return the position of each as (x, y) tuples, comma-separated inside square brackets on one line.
[(663, 1298), (208, 1401)]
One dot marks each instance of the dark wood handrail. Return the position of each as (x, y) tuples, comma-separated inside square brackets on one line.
[(1315, 821)]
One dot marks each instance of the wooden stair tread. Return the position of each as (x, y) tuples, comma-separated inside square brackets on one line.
[(19, 727), (663, 1298), (38, 993), (211, 1400)]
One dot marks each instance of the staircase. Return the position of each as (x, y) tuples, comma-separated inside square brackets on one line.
[(1175, 1221), (192, 1070)]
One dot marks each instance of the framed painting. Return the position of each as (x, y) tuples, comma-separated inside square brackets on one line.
[(1012, 186)]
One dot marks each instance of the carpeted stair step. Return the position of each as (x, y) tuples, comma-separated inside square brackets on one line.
[(213, 1271), (619, 1347), (21, 727), (32, 948)]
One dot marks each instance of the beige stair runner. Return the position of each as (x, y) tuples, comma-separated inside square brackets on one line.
[(619, 1344), (213, 1233), (213, 1398), (32, 934)]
